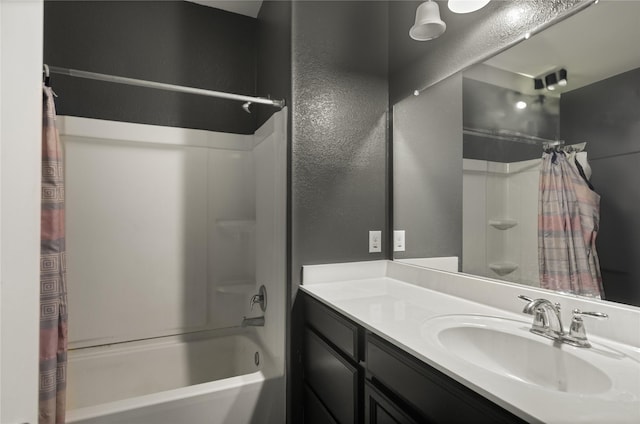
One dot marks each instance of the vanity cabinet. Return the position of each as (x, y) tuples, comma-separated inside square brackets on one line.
[(354, 376), (333, 375)]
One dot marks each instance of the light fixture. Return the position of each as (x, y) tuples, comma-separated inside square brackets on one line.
[(521, 105), (552, 80), (538, 84), (428, 24), (416, 92), (562, 77), (466, 6)]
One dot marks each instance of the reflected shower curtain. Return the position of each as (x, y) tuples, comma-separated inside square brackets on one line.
[(53, 293), (568, 217)]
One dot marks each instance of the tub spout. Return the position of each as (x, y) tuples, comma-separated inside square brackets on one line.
[(253, 322)]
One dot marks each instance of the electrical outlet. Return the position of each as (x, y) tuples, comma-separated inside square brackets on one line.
[(375, 241), (398, 241)]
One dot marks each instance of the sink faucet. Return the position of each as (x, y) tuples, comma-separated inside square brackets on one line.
[(253, 322), (547, 323), (546, 317)]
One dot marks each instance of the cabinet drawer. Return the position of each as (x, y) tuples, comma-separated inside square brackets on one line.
[(379, 409), (314, 410), (434, 395), (335, 328), (333, 379)]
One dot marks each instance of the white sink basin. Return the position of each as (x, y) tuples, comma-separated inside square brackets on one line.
[(506, 347)]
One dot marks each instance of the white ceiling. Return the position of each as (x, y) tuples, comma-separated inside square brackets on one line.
[(582, 44), (242, 7)]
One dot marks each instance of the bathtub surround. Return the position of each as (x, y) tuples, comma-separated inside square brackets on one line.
[(500, 219), (222, 199)]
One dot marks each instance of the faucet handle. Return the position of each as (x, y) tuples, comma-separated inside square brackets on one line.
[(577, 334), (579, 313), (525, 298)]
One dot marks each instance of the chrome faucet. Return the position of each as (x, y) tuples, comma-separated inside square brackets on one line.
[(547, 322), (253, 322), (546, 317)]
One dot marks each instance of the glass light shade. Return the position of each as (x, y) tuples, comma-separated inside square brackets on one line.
[(428, 24), (467, 6)]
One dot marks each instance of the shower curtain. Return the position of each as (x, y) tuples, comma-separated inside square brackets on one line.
[(568, 217), (53, 293)]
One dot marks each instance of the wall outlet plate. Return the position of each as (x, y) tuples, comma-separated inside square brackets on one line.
[(375, 241), (398, 241)]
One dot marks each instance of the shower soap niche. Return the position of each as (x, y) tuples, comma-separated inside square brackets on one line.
[(503, 268), (503, 224)]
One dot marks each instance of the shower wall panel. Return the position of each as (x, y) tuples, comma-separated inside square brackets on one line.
[(160, 230)]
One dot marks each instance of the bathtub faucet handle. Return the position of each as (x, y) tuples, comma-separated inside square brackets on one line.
[(260, 299), (256, 298)]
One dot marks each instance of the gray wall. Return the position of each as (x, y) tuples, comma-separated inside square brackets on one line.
[(274, 55), (167, 41), (339, 130), (427, 171), (470, 38), (490, 107), (605, 115)]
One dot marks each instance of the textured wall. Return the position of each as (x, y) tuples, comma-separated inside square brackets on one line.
[(168, 41), (469, 38), (340, 105), (605, 115), (427, 171), (274, 55)]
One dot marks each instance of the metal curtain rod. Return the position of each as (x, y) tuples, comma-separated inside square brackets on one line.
[(511, 136), (162, 86)]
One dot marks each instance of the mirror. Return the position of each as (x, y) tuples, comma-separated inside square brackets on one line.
[(467, 152)]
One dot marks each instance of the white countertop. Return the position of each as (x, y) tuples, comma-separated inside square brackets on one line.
[(399, 312)]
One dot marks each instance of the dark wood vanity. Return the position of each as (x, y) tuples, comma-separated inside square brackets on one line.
[(354, 376)]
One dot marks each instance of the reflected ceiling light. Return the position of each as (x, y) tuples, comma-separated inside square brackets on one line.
[(466, 6), (428, 24), (552, 80), (521, 105), (562, 77), (416, 92)]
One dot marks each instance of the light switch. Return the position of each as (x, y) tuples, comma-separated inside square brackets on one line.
[(375, 241)]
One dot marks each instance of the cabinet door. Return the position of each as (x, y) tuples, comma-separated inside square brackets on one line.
[(333, 379), (314, 410), (379, 409)]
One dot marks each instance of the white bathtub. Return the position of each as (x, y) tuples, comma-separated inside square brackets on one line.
[(198, 378)]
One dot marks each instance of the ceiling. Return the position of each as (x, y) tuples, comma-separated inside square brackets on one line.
[(241, 7), (594, 44)]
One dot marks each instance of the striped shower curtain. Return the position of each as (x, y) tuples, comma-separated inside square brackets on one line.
[(53, 288), (568, 217)]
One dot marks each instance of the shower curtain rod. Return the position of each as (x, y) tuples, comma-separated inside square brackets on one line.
[(162, 86), (512, 136)]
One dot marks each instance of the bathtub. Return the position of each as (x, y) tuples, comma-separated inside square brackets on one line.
[(210, 377)]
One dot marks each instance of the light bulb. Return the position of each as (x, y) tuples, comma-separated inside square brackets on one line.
[(521, 105), (466, 6)]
